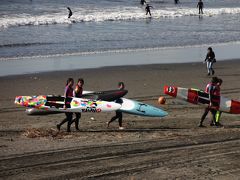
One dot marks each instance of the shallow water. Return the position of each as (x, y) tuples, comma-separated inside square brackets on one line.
[(40, 27)]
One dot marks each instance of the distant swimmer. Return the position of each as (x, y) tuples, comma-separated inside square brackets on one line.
[(176, 1), (200, 6), (69, 12), (210, 59), (148, 7), (142, 2), (118, 116)]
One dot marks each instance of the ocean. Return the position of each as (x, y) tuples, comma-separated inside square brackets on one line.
[(30, 28)]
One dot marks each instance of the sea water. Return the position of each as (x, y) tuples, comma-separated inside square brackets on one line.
[(40, 28)]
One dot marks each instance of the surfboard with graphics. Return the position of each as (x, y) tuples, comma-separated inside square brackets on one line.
[(69, 104)]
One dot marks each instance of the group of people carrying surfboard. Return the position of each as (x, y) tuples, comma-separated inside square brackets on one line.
[(78, 92)]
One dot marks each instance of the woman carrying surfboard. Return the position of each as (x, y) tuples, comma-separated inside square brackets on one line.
[(78, 93), (118, 116), (68, 93)]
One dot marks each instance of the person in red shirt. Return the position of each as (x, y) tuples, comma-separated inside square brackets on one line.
[(67, 93), (214, 90), (78, 93)]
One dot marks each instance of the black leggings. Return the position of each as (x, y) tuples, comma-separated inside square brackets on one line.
[(119, 117), (76, 120), (68, 119), (213, 112)]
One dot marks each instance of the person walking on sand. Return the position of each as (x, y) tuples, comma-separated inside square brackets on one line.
[(78, 93), (148, 10), (68, 93), (213, 90), (69, 12), (200, 6), (210, 59), (118, 115)]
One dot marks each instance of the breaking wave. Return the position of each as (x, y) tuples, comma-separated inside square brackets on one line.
[(111, 14)]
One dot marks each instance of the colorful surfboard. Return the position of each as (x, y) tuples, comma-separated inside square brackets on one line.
[(61, 104), (196, 96), (138, 108)]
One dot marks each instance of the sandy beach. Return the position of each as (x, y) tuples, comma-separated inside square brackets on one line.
[(169, 148)]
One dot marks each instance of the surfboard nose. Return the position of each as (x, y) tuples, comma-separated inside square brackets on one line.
[(18, 100), (170, 90)]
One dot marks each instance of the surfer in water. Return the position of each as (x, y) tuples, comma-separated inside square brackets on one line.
[(118, 116), (69, 12), (210, 59), (212, 89), (176, 1), (68, 93), (200, 6), (78, 93), (142, 2), (148, 9)]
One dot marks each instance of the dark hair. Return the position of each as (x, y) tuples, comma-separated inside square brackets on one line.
[(69, 80), (121, 84), (81, 80), (214, 80), (220, 81), (210, 48)]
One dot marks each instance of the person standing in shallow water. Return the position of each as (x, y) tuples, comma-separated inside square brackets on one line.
[(68, 93), (148, 9), (69, 12), (118, 115), (200, 6), (210, 59)]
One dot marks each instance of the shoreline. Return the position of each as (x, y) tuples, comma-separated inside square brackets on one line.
[(93, 61)]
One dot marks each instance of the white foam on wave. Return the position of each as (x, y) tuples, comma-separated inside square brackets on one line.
[(112, 14)]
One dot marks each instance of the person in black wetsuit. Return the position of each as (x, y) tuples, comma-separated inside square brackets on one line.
[(176, 1), (68, 93), (118, 116), (142, 2), (69, 12), (148, 7), (200, 6)]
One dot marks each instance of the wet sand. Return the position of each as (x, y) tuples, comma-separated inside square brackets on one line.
[(149, 148)]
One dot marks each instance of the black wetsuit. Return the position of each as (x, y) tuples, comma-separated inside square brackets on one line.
[(200, 6), (176, 1), (70, 12), (118, 115), (148, 10)]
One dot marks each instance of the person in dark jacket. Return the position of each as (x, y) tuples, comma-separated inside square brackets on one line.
[(210, 59)]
